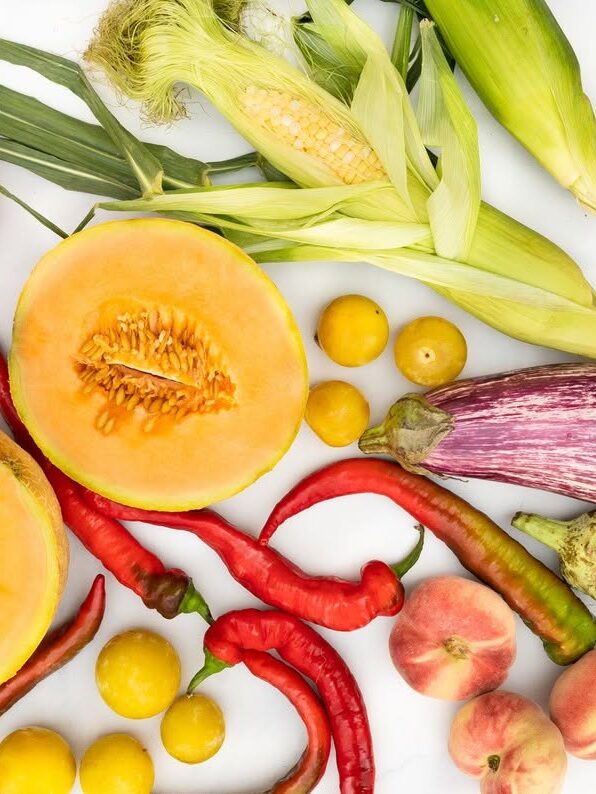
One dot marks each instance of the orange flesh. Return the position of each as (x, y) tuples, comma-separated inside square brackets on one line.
[(29, 573), (209, 292)]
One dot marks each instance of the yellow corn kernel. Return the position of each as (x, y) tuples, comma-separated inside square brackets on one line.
[(306, 128)]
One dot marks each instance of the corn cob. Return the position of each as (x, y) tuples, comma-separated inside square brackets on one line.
[(304, 127)]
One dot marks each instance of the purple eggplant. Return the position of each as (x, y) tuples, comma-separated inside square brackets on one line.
[(534, 427)]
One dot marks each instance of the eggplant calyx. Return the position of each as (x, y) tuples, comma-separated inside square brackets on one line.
[(409, 433)]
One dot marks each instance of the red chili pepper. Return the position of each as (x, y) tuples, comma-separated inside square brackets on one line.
[(330, 602), (170, 592), (545, 603), (226, 643), (311, 767), (58, 647)]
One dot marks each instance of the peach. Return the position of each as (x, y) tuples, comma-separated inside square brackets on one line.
[(573, 706), (453, 639), (509, 744)]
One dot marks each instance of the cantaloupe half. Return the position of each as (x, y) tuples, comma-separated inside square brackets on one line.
[(157, 364), (33, 556)]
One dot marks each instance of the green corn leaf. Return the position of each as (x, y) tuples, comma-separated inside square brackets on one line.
[(145, 166), (446, 122), (37, 215), (87, 148), (400, 53), (415, 69), (63, 173), (33, 124)]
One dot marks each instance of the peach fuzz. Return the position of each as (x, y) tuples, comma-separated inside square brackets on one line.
[(453, 639), (573, 707), (509, 744)]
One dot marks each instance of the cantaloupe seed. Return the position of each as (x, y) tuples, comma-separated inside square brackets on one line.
[(156, 361)]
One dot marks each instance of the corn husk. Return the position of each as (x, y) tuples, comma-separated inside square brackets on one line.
[(525, 71), (183, 40)]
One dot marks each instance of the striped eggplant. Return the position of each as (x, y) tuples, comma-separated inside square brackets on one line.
[(534, 427)]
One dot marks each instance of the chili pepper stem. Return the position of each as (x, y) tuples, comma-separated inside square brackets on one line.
[(552, 533), (193, 601), (400, 569), (212, 666)]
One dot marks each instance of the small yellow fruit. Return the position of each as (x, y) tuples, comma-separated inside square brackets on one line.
[(337, 412), (36, 761), (138, 674), (193, 729), (430, 351), (353, 330), (117, 763)]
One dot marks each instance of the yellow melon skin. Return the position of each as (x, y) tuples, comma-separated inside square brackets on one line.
[(33, 556), (157, 364)]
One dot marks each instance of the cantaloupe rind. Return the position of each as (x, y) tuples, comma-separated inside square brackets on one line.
[(33, 556)]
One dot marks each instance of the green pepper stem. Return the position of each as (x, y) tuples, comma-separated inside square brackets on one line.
[(193, 601), (548, 531), (212, 666), (401, 568)]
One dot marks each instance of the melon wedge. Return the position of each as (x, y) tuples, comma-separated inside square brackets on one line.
[(33, 556), (157, 364)]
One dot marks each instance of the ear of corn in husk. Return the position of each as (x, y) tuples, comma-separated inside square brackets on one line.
[(424, 223), (525, 71), (148, 46)]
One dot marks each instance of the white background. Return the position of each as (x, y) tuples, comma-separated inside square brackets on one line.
[(264, 737)]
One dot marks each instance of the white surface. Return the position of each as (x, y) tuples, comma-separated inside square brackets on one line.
[(264, 737)]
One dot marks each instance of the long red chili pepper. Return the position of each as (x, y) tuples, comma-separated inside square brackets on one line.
[(58, 648), (170, 592), (330, 602), (545, 602), (226, 643), (311, 767)]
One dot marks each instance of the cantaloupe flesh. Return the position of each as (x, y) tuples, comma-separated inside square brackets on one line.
[(155, 262), (33, 557)]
